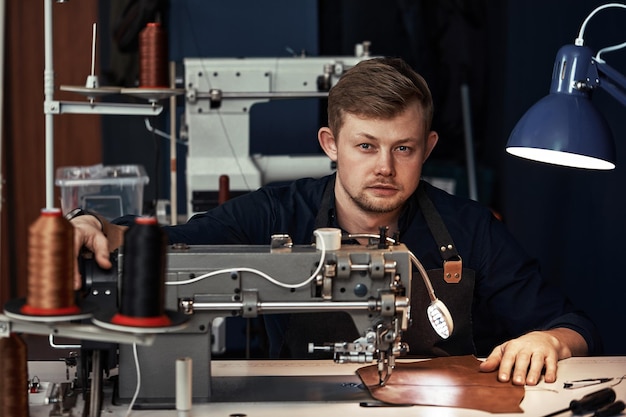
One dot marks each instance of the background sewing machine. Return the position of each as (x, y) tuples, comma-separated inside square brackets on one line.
[(219, 94)]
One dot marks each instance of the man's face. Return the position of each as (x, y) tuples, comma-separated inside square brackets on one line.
[(379, 161)]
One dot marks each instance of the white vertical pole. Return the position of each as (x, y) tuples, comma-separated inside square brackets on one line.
[(184, 384), (48, 92)]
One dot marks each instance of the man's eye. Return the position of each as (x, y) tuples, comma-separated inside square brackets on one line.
[(365, 146)]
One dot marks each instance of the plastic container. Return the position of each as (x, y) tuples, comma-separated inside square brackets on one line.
[(112, 191)]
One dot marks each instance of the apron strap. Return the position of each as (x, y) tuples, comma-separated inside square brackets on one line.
[(323, 218), (452, 262)]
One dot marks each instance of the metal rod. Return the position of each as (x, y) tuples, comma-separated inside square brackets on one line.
[(268, 95), (277, 306), (80, 107), (173, 155), (93, 50), (469, 142), (95, 398)]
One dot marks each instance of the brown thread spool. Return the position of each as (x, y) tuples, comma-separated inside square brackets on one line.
[(153, 64), (50, 266), (13, 377)]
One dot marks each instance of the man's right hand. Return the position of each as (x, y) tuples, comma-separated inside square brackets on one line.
[(89, 233)]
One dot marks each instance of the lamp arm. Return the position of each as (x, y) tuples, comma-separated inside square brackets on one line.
[(611, 81)]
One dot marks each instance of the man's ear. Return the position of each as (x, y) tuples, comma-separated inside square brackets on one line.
[(431, 141), (328, 142)]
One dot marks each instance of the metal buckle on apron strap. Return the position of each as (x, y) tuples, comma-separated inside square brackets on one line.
[(453, 270)]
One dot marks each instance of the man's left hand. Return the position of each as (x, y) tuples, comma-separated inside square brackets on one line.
[(523, 360)]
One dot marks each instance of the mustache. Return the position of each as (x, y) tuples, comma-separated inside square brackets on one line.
[(386, 184)]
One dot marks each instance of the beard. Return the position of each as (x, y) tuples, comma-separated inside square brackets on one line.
[(376, 205), (365, 199)]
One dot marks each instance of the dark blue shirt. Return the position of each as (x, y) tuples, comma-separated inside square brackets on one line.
[(510, 295)]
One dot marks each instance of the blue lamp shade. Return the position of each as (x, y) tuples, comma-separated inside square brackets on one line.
[(564, 128)]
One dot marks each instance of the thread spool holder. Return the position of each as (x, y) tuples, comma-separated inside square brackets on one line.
[(53, 107)]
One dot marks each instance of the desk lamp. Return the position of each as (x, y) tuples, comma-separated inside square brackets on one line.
[(565, 128)]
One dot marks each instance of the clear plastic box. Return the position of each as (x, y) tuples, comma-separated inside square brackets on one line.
[(112, 191)]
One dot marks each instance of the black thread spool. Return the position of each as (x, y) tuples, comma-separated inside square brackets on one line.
[(142, 292), (13, 377)]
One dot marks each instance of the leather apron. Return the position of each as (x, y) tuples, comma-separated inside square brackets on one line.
[(453, 284)]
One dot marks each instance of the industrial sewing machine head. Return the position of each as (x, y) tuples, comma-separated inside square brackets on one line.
[(371, 283)]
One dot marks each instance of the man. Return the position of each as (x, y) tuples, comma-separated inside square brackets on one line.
[(379, 135)]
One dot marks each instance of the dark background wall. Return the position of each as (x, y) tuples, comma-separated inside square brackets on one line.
[(572, 220), (76, 137)]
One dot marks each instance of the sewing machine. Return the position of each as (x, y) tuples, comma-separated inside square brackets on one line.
[(370, 283), (219, 94)]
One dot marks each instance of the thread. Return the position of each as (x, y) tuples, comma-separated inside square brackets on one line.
[(142, 291), (153, 61), (13, 377), (50, 266)]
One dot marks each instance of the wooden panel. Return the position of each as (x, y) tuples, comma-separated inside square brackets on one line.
[(77, 137)]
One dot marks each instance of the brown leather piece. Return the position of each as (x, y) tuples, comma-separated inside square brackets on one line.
[(453, 381), (453, 271)]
